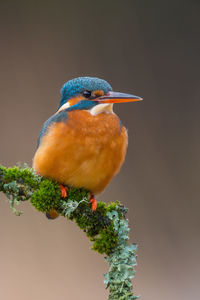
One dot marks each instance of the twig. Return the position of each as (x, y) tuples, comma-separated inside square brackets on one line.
[(107, 227)]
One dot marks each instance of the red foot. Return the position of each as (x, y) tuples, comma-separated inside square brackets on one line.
[(93, 201), (63, 191)]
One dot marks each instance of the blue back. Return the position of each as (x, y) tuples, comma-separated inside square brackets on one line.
[(60, 117)]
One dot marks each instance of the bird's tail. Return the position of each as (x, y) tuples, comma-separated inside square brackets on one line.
[(52, 214)]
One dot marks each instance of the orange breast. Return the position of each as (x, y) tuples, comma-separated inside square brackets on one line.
[(86, 151)]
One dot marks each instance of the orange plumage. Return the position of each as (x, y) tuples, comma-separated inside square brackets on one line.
[(85, 151)]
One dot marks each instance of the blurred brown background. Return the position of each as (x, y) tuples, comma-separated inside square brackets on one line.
[(150, 48)]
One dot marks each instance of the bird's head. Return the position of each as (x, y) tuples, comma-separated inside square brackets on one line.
[(90, 93)]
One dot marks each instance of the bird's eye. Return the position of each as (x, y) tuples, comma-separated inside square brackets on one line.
[(87, 94)]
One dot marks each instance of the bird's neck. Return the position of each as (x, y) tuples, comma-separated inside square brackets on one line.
[(101, 124)]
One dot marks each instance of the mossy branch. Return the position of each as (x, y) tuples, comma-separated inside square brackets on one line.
[(107, 227)]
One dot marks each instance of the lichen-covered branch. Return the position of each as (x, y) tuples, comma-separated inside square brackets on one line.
[(107, 227)]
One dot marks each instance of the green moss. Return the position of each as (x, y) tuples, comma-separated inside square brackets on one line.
[(96, 225), (91, 222), (22, 183), (101, 208), (2, 173), (77, 194), (47, 196), (106, 241), (22, 176), (112, 206)]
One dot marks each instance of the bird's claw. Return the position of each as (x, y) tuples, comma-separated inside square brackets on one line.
[(93, 201), (63, 191)]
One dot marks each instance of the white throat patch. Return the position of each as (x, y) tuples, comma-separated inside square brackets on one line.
[(100, 108), (97, 109)]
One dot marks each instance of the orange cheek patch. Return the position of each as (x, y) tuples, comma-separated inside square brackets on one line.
[(98, 93), (75, 100)]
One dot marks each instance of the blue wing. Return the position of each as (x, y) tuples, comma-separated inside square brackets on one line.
[(59, 117)]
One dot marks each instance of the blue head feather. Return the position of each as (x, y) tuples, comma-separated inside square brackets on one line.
[(76, 87)]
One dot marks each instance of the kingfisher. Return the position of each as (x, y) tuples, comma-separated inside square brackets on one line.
[(83, 145)]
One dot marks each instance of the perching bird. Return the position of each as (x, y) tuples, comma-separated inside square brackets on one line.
[(84, 143)]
